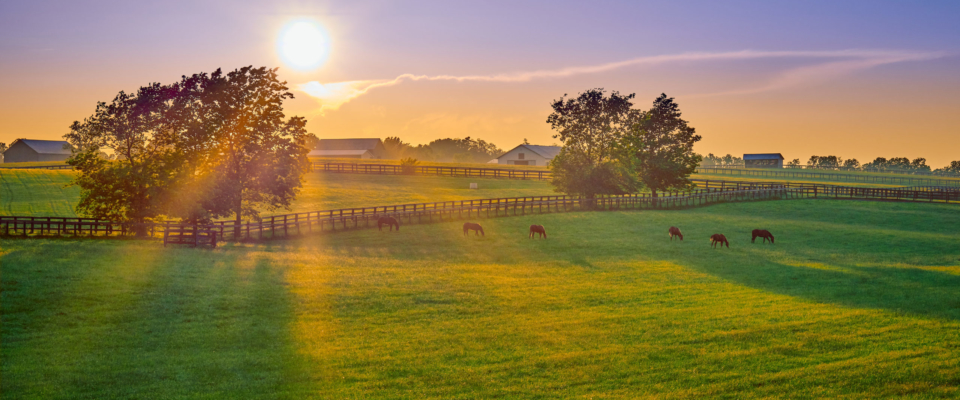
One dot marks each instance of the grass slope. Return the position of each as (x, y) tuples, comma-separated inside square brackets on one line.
[(856, 299), (40, 193)]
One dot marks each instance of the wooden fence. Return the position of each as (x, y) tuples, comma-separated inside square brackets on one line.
[(777, 173), (352, 218), (40, 167)]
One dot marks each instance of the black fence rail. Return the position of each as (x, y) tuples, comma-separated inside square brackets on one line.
[(806, 174), (39, 167), (353, 218)]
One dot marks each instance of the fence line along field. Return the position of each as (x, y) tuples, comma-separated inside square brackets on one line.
[(855, 299)]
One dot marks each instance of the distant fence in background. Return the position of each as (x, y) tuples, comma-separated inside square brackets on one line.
[(39, 167), (351, 218), (386, 169), (778, 173)]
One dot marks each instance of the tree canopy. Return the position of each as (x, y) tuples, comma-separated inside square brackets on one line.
[(611, 148), (591, 127), (211, 145), (660, 147)]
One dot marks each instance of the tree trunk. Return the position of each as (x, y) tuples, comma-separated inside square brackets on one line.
[(654, 201)]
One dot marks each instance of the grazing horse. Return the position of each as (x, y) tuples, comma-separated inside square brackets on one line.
[(762, 233), (538, 229), (718, 238), (391, 221), (674, 231), (476, 228)]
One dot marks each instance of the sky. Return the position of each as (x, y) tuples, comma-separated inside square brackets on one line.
[(857, 79)]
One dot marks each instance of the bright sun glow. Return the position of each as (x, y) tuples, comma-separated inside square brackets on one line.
[(303, 45)]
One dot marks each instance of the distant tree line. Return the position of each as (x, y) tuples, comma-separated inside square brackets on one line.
[(211, 145), (728, 160), (611, 148), (879, 164), (466, 150)]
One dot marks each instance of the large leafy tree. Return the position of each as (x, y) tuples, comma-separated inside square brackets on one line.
[(258, 158), (208, 146), (591, 126), (659, 146), (136, 129)]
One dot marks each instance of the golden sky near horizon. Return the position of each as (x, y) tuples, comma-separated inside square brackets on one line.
[(429, 72)]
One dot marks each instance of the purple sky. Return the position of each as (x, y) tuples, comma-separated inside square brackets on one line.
[(853, 78)]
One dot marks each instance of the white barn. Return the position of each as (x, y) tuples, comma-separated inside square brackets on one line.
[(528, 154)]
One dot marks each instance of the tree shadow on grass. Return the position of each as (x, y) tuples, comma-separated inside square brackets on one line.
[(898, 289), (161, 323)]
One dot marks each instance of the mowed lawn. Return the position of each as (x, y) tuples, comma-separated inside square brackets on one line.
[(37, 192), (856, 299), (45, 193)]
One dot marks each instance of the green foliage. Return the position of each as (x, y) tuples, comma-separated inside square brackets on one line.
[(208, 146), (466, 150), (825, 162), (407, 165), (591, 127), (856, 300), (728, 160), (659, 147), (952, 169), (574, 173)]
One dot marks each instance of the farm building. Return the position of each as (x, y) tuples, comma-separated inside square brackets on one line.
[(766, 160), (528, 154), (349, 148), (29, 150)]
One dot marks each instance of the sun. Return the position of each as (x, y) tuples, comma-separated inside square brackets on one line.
[(303, 44)]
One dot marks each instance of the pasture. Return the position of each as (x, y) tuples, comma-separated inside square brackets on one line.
[(44, 193), (855, 299)]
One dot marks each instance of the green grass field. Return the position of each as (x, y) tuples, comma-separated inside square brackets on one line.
[(35, 192), (44, 193), (856, 299), (31, 164)]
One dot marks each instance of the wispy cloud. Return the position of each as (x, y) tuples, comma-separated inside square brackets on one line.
[(833, 64)]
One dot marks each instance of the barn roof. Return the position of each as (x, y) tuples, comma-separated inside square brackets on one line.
[(543, 151), (46, 146), (763, 156), (349, 144), (334, 153)]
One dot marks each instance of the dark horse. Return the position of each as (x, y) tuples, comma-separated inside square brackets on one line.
[(538, 229), (762, 233), (391, 221), (718, 238), (674, 231), (470, 226)]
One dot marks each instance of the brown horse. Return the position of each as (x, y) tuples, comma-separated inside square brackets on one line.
[(762, 233), (674, 231), (538, 229), (391, 221), (476, 228), (718, 238)]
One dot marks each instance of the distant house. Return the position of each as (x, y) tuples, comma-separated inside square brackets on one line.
[(766, 160), (29, 150), (528, 154), (349, 148)]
